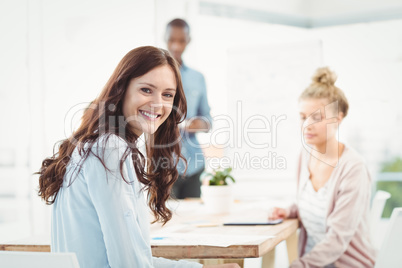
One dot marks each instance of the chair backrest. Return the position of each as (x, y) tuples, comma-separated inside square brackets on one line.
[(376, 211), (390, 255), (20, 259)]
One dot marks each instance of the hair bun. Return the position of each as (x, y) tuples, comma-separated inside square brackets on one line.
[(325, 76)]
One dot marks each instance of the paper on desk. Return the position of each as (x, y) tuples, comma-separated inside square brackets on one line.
[(203, 240)]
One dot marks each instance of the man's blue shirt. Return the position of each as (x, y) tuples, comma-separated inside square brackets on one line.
[(197, 106)]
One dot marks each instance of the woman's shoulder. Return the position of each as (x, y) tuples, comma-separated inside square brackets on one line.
[(106, 147), (107, 143), (352, 165), (110, 141), (350, 157)]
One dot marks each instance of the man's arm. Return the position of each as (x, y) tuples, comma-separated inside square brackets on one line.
[(196, 124)]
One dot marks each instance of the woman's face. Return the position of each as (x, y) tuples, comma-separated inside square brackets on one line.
[(319, 120), (148, 100)]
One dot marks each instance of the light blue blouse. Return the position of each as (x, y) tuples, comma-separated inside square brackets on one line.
[(101, 218)]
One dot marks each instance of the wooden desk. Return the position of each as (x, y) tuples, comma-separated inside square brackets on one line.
[(186, 213)]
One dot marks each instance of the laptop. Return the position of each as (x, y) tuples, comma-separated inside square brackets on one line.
[(21, 259)]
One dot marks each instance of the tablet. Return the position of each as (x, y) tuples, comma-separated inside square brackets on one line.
[(268, 222)]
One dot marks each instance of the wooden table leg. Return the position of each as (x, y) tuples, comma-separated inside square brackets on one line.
[(291, 244), (240, 262), (268, 260)]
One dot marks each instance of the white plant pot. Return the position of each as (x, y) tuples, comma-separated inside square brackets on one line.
[(217, 199)]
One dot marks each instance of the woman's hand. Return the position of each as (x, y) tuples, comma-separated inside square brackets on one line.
[(277, 213), (227, 265)]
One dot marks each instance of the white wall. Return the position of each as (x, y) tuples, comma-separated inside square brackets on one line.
[(83, 43), (54, 55), (221, 38), (368, 60), (15, 124)]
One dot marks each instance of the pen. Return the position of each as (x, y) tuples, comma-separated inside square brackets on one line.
[(158, 238), (207, 225)]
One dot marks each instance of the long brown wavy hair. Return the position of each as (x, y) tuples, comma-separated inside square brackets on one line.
[(99, 119)]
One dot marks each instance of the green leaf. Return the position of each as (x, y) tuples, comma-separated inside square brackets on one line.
[(219, 176), (231, 178)]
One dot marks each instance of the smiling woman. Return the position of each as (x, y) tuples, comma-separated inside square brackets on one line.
[(97, 178), (94, 180), (116, 114), (149, 99)]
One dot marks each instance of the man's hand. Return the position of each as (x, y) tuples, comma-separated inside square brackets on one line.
[(194, 125)]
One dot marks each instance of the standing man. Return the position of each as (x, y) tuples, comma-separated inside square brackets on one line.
[(198, 113)]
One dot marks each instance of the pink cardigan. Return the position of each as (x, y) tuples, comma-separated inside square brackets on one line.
[(347, 242)]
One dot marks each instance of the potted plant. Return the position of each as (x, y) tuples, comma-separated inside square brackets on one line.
[(217, 191)]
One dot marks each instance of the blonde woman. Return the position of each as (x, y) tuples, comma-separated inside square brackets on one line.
[(333, 184)]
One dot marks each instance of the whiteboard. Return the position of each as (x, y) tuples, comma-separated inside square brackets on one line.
[(264, 84)]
